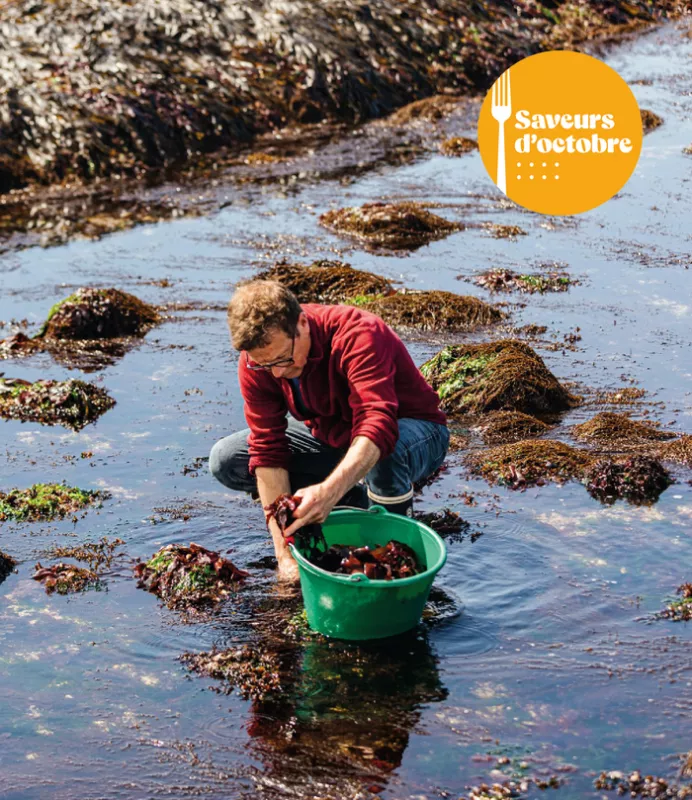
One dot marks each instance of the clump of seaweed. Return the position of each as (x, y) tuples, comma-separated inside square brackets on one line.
[(608, 428), (503, 427), (458, 146), (188, 576), (431, 311), (679, 451), (309, 538), (65, 578), (429, 109), (72, 403), (98, 314), (680, 610), (7, 564), (532, 462), (639, 480), (46, 501), (650, 120), (502, 375), (637, 785), (504, 231), (327, 281), (252, 670), (389, 562), (98, 555), (398, 226), (449, 525), (506, 280)]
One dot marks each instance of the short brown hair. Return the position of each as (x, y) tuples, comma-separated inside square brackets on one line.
[(258, 309)]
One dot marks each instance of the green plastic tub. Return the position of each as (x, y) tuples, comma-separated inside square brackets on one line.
[(355, 607)]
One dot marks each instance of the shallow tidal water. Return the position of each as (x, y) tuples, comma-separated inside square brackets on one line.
[(545, 650)]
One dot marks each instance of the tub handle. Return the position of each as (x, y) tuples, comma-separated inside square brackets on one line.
[(359, 577)]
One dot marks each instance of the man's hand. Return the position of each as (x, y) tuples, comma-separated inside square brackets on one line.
[(316, 505)]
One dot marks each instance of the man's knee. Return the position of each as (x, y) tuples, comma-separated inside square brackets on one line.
[(229, 463)]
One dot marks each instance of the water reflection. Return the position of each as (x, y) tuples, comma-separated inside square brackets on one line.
[(351, 708)]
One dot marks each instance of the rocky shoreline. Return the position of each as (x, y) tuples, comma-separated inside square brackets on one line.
[(103, 100)]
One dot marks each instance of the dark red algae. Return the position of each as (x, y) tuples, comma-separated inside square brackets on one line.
[(393, 560)]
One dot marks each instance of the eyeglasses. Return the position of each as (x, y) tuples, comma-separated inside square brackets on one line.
[(282, 362)]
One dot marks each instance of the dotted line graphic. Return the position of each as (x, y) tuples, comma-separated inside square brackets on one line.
[(543, 164)]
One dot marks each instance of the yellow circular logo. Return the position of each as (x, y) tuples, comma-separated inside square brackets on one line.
[(560, 132)]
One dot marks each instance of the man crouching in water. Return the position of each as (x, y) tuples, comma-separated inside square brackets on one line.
[(359, 407)]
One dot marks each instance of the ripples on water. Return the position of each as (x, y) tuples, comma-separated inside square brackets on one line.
[(540, 643)]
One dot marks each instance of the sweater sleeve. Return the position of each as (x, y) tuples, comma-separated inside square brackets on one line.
[(368, 362), (265, 413)]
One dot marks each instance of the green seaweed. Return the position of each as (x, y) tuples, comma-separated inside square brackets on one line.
[(45, 501)]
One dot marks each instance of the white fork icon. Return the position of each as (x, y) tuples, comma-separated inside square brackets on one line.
[(501, 111)]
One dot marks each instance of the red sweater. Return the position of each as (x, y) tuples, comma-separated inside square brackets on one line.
[(358, 381)]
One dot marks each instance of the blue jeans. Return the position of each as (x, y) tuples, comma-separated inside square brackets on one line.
[(420, 450)]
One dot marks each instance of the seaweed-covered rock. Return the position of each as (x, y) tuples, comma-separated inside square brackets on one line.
[(503, 375), (188, 576), (609, 429), (680, 610), (429, 109), (46, 501), (680, 451), (396, 226), (432, 311), (253, 671), (504, 231), (458, 146), (327, 281), (503, 427), (65, 578), (7, 564), (650, 121), (97, 88), (639, 480), (506, 280), (530, 462), (98, 314), (72, 403)]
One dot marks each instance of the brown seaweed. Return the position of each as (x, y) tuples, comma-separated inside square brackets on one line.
[(618, 430), (458, 146), (432, 311), (502, 375), (650, 120), (65, 578), (529, 463), (7, 564), (98, 314), (72, 403), (253, 671), (327, 281), (506, 280), (395, 226), (504, 427)]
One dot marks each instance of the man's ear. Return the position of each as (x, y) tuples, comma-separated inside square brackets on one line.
[(303, 324)]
